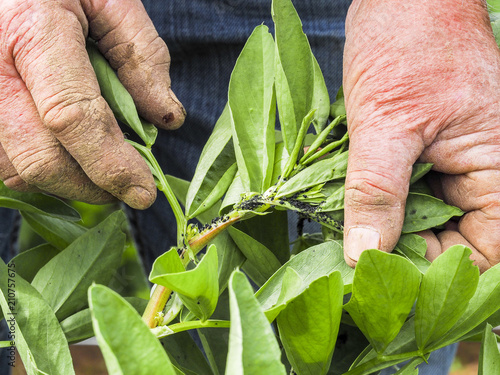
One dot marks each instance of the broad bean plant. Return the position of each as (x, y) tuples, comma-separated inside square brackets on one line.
[(257, 304)]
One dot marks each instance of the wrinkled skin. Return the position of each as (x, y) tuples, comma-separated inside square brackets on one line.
[(57, 134), (422, 83)]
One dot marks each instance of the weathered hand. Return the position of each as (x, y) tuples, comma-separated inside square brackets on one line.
[(422, 82), (57, 134)]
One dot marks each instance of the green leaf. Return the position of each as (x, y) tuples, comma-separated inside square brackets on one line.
[(215, 169), (419, 170), (484, 304), (320, 100), (127, 344), (117, 96), (280, 160), (424, 212), (318, 173), (337, 108), (78, 327), (93, 257), (198, 288), (57, 232), (252, 107), (335, 200), (414, 247), (37, 203), (38, 336), (229, 257), (292, 286), (385, 287), (271, 230), (447, 287), (233, 194), (30, 261), (410, 368), (489, 358), (310, 264), (294, 69), (253, 348), (309, 325), (185, 354), (263, 261), (215, 340)]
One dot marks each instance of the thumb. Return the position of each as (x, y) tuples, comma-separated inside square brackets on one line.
[(378, 175), (128, 39)]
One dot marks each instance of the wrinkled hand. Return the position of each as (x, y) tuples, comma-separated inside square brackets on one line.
[(422, 82), (57, 134)]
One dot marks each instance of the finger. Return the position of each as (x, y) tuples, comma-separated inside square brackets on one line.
[(128, 39), (378, 175), (477, 193), (449, 238), (9, 175), (31, 157), (55, 67), (433, 245)]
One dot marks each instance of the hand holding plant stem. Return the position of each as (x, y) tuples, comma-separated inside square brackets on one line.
[(423, 90)]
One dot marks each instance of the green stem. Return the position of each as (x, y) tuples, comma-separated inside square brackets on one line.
[(155, 304), (164, 187), (164, 331)]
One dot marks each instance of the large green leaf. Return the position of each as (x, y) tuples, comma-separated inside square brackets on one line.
[(309, 325), (36, 203), (447, 287), (30, 261), (310, 264), (215, 169), (270, 230), (424, 212), (384, 290), (118, 98), (185, 354), (215, 341), (56, 231), (253, 348), (320, 100), (264, 262), (38, 337), (320, 172), (484, 303), (127, 344), (252, 105), (294, 70), (93, 257), (198, 288), (78, 327), (489, 358), (229, 257)]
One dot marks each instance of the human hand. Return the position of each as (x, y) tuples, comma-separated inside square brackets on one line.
[(422, 82), (57, 134)]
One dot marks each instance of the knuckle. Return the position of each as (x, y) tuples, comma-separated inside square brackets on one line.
[(363, 192), (67, 115), (42, 167)]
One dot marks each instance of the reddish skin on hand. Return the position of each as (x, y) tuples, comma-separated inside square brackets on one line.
[(57, 134), (422, 83)]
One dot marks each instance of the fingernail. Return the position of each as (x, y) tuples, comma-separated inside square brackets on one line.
[(139, 198), (359, 239)]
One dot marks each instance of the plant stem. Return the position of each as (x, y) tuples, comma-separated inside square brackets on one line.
[(156, 304), (164, 331), (164, 187)]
